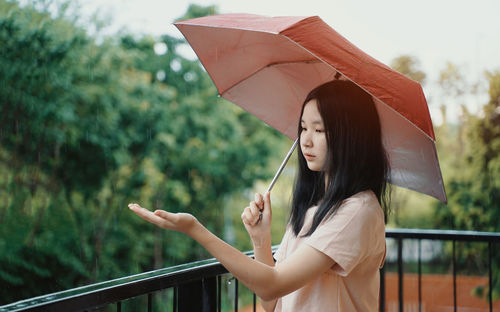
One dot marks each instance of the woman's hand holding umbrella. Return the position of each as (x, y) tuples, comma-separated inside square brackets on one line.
[(257, 220)]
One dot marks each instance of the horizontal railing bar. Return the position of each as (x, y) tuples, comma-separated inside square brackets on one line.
[(108, 295), (444, 235)]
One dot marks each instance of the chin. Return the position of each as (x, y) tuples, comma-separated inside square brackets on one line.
[(313, 168)]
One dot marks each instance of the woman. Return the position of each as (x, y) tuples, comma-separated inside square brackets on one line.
[(334, 245)]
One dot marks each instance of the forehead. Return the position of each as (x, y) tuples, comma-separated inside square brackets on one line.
[(311, 113)]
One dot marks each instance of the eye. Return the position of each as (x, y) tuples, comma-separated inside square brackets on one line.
[(303, 129), (320, 130)]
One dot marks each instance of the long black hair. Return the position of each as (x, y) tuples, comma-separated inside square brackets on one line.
[(356, 160)]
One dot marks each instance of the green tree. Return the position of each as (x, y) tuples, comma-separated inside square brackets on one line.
[(89, 126), (474, 190)]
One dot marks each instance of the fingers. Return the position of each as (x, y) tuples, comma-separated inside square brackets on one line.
[(259, 202), (246, 217), (260, 206), (254, 208), (267, 204), (267, 200), (164, 214), (250, 215), (146, 215)]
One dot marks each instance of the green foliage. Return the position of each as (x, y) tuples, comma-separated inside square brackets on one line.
[(474, 191), (195, 11), (409, 66), (88, 127)]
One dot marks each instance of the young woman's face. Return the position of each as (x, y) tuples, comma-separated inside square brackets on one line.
[(313, 137)]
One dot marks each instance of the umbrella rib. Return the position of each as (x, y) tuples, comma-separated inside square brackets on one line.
[(294, 62)]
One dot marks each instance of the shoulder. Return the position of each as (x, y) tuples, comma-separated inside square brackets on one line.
[(364, 197), (361, 208), (363, 202)]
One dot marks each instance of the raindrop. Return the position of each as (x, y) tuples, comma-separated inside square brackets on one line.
[(161, 75), (160, 48), (190, 76), (175, 65)]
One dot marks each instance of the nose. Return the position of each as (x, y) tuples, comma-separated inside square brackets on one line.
[(305, 139)]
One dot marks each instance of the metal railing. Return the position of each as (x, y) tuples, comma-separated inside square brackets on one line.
[(197, 286), (399, 235)]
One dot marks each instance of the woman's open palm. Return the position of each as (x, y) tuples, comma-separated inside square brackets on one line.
[(181, 222)]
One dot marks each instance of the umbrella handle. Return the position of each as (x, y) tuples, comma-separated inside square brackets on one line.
[(283, 164), (280, 169)]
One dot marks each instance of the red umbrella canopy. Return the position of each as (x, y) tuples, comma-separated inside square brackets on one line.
[(267, 65)]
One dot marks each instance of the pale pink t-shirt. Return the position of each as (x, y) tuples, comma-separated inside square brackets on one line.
[(354, 237)]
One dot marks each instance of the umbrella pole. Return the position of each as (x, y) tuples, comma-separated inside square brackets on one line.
[(283, 164)]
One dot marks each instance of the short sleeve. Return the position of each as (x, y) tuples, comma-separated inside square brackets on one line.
[(345, 237)]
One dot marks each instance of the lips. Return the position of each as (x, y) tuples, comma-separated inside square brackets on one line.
[(309, 157)]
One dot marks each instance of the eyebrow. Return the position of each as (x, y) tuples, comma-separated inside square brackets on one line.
[(319, 122)]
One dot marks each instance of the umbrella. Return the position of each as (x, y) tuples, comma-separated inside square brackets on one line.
[(267, 65)]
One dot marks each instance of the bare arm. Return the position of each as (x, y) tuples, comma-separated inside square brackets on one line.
[(266, 281), (263, 254), (257, 221)]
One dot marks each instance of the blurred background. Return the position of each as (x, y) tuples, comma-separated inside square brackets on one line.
[(103, 103)]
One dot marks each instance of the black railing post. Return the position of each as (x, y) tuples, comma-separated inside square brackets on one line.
[(382, 290), (198, 296), (400, 273), (209, 294), (454, 278), (419, 275), (235, 295), (219, 293), (176, 290), (490, 276), (150, 302), (189, 297), (119, 306)]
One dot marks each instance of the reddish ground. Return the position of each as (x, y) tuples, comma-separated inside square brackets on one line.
[(437, 293)]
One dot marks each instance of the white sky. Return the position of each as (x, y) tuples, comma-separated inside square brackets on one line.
[(466, 33)]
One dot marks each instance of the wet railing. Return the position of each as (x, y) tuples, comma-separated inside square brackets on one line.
[(198, 286)]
